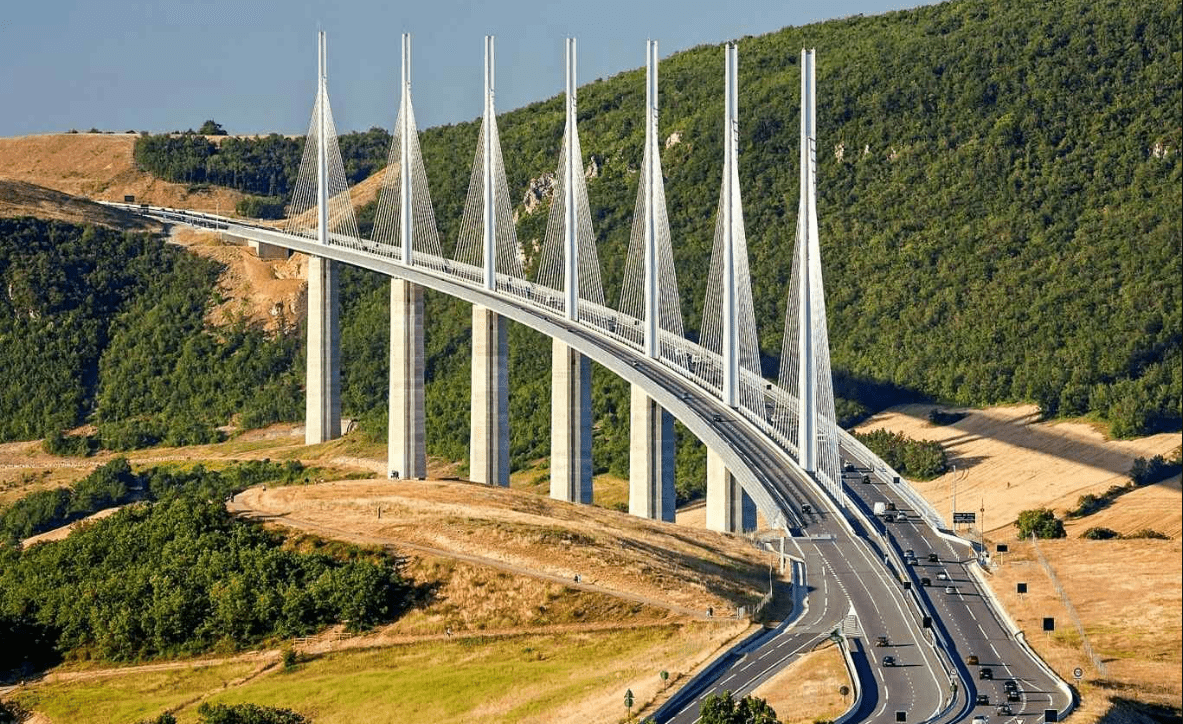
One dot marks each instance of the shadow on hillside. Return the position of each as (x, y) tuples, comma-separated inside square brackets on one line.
[(1021, 433), (1127, 711)]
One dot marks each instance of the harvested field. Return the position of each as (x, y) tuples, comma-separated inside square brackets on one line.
[(100, 166), (1007, 461), (808, 690)]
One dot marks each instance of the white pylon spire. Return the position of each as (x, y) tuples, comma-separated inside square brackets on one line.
[(406, 215), (807, 380), (570, 237), (805, 356), (489, 206), (652, 315), (730, 192), (322, 148)]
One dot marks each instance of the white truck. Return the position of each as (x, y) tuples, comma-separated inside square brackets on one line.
[(880, 508)]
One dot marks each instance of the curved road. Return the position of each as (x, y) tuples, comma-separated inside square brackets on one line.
[(852, 569)]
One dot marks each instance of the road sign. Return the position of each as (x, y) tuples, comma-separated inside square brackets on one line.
[(1049, 623), (1051, 715), (628, 698), (965, 517), (901, 716), (1021, 587), (1002, 548), (1077, 673)]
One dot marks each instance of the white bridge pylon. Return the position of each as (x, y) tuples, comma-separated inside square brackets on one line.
[(797, 412)]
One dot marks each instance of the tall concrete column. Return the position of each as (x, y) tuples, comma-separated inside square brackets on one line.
[(406, 451), (651, 459), (570, 425), (322, 414), (729, 509), (489, 437)]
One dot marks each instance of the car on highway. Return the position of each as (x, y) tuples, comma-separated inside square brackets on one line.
[(934, 558), (972, 660), (983, 700), (986, 673), (942, 576), (909, 553), (1010, 685), (889, 518), (926, 581), (849, 467), (806, 508), (889, 661), (911, 561), (882, 641), (1003, 710), (950, 589), (980, 719), (1014, 695)]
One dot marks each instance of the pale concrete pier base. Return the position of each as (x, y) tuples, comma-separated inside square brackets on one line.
[(406, 451), (651, 459), (570, 425), (322, 412), (489, 437), (729, 509)]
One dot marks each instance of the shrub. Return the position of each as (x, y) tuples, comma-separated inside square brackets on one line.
[(1041, 522), (1100, 533), (938, 416), (261, 207), (1149, 533), (247, 714), (1145, 472)]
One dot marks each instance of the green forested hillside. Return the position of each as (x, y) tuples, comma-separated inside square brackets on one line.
[(999, 197), (999, 192), (109, 327)]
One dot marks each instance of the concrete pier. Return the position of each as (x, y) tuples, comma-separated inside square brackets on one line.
[(489, 436), (651, 459), (570, 425), (729, 509), (322, 415), (406, 452)]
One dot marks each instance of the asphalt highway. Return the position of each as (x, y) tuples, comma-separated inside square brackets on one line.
[(854, 576)]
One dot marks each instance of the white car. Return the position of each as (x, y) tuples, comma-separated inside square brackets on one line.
[(980, 719), (942, 576)]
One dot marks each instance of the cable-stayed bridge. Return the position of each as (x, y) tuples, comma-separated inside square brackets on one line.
[(774, 446)]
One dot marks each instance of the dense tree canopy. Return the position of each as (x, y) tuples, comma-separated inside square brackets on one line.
[(180, 575)]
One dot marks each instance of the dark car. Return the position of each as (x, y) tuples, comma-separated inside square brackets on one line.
[(889, 661), (1014, 695), (983, 700), (806, 508), (1010, 685), (849, 467), (909, 553), (934, 558), (1003, 709), (986, 673), (926, 581)]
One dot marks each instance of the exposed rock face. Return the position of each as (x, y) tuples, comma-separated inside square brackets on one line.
[(539, 190), (839, 151), (673, 139), (593, 167)]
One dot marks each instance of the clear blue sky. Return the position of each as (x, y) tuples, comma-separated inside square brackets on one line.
[(157, 65)]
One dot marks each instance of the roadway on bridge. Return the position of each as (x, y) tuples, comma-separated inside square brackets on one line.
[(962, 609), (857, 562)]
